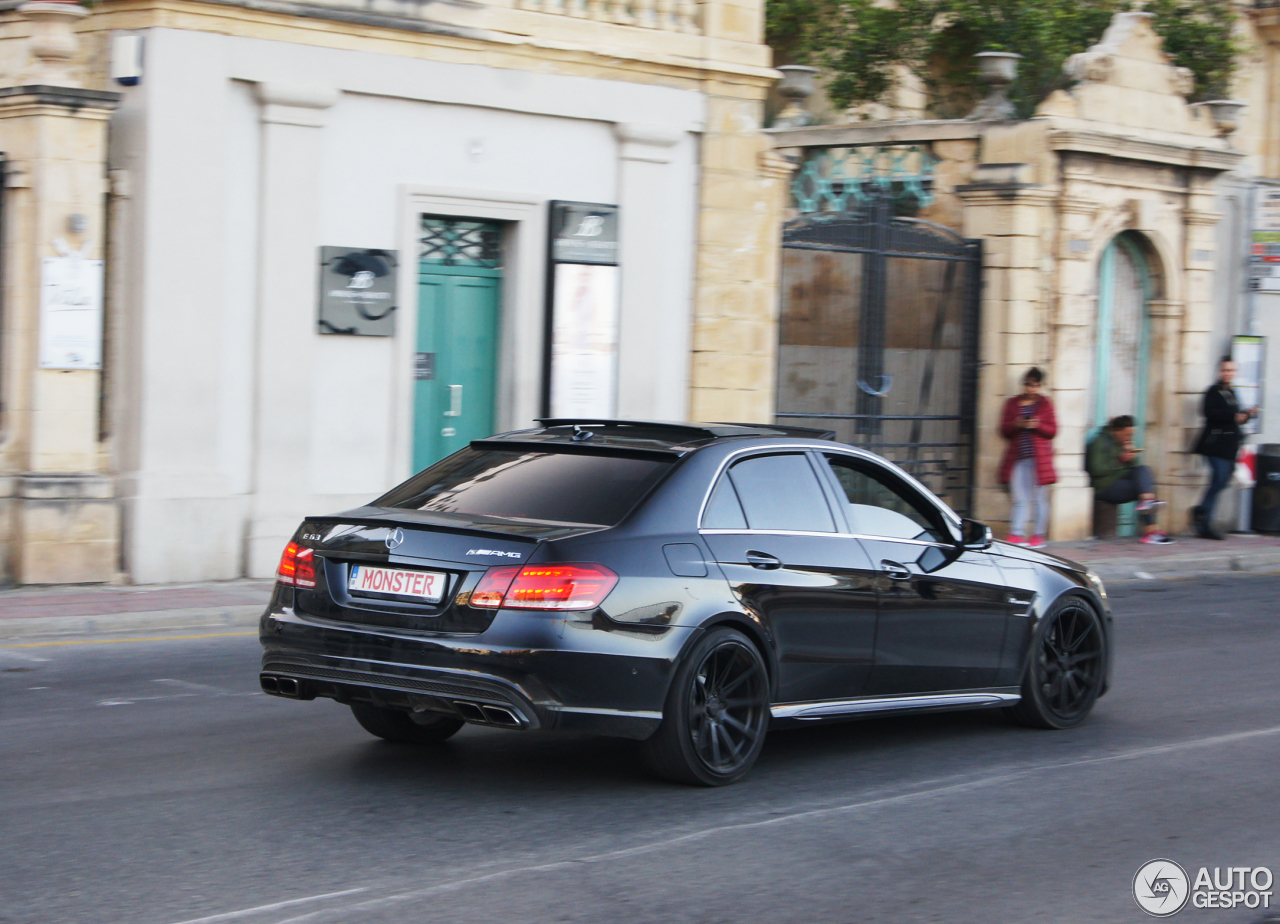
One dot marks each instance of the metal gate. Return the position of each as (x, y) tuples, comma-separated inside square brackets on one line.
[(878, 336)]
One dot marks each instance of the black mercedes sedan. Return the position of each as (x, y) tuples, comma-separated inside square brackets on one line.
[(687, 585)]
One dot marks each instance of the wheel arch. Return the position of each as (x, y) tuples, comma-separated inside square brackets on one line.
[(1100, 610), (748, 627)]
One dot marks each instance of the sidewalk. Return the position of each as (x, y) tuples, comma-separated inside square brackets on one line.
[(1188, 556), (101, 609), (234, 606)]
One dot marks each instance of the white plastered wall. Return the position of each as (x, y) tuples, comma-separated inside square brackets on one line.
[(244, 156)]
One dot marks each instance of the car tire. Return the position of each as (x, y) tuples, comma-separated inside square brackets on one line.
[(716, 714), (400, 727), (1066, 668)]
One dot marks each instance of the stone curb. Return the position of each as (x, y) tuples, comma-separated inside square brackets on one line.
[(212, 619), (1118, 570)]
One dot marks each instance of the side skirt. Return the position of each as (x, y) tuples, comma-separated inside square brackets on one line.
[(925, 702)]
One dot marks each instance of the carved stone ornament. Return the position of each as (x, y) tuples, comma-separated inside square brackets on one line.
[(1090, 66), (53, 44), (1182, 80)]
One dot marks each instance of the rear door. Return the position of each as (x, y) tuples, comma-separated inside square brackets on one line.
[(943, 610), (771, 529)]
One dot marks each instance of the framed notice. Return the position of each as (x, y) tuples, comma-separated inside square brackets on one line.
[(584, 342), (581, 374), (1249, 353), (70, 313)]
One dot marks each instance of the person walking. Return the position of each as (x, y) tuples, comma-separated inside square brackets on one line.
[(1219, 443), (1029, 424), (1111, 461)]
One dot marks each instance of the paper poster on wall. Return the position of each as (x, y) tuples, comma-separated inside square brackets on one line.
[(1248, 353), (584, 341), (70, 313)]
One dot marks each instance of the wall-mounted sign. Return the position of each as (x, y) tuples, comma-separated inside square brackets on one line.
[(1264, 268), (70, 313), (357, 291), (582, 311), (583, 232)]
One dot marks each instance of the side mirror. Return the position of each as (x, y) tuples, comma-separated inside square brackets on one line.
[(976, 536)]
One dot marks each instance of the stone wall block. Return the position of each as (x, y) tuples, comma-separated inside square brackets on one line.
[(67, 541)]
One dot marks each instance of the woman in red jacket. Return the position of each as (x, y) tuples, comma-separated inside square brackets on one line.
[(1029, 425)]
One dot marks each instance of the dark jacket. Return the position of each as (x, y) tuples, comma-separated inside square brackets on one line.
[(1221, 435)]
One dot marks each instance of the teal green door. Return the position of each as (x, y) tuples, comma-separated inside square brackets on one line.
[(457, 347), (1123, 345)]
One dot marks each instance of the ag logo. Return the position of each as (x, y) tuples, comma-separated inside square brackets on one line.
[(590, 226), (362, 279), (1161, 888)]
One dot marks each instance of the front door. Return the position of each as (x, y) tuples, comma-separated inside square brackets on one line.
[(456, 364)]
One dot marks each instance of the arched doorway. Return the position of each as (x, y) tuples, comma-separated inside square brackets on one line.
[(1123, 345)]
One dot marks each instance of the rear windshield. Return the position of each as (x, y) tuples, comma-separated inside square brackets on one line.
[(597, 490)]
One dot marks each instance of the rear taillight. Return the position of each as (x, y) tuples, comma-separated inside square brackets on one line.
[(297, 566), (493, 586), (544, 587)]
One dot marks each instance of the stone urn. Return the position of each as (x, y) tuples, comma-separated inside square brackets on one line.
[(996, 69), (796, 86), (53, 43), (1225, 114)]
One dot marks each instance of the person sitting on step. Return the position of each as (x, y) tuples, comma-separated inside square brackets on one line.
[(1111, 461)]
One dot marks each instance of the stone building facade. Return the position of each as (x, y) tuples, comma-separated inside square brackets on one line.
[(1099, 224), (206, 151)]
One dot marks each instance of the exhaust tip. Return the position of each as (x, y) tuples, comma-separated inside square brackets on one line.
[(269, 684), (287, 686), (500, 716), (470, 711)]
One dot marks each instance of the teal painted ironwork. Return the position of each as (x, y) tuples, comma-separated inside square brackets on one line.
[(831, 177), (459, 242)]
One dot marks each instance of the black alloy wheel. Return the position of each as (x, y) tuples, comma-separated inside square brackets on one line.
[(1066, 668), (403, 728), (717, 713)]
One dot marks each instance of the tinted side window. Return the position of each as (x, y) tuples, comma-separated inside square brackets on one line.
[(723, 510), (595, 489), (781, 492), (881, 505)]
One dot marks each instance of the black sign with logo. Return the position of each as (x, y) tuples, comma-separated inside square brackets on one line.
[(584, 232), (357, 291)]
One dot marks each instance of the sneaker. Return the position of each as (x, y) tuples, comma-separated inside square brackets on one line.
[(1016, 540), (1144, 506), (1037, 542), (1156, 539)]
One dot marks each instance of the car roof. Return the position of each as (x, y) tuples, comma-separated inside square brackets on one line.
[(667, 437)]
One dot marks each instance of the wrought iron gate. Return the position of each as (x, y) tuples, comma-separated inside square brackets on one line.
[(878, 338)]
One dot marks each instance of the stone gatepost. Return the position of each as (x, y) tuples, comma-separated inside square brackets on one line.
[(62, 524)]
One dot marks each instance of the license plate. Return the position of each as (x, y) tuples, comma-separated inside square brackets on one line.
[(427, 586)]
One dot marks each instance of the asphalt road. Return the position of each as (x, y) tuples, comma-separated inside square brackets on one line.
[(147, 782)]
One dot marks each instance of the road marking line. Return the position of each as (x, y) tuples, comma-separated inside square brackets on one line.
[(246, 912), (116, 641), (198, 687), (683, 839)]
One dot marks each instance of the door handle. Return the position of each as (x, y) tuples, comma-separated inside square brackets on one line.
[(898, 572), (763, 560), (455, 401)]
